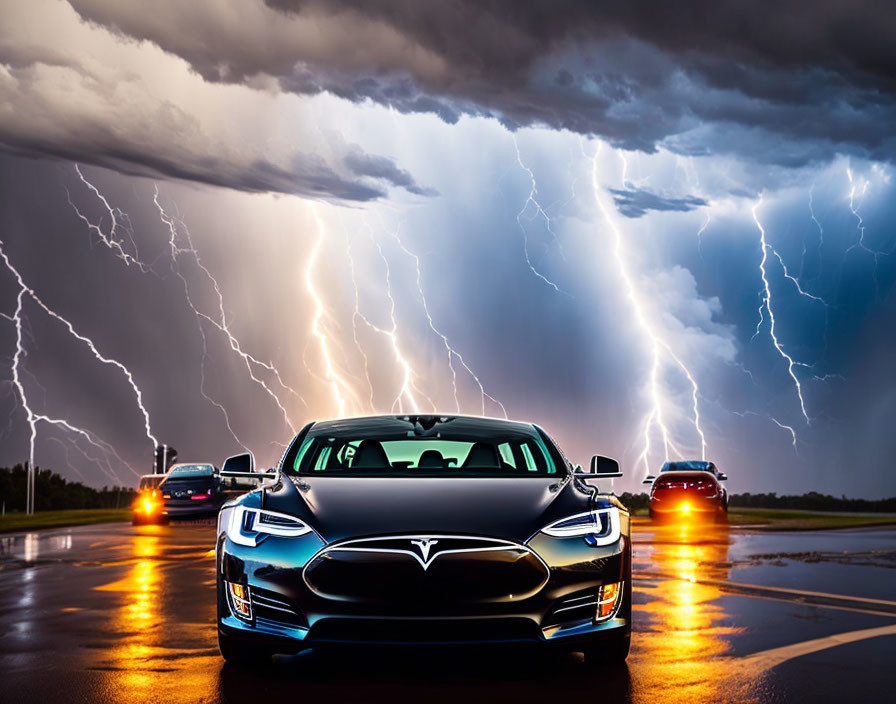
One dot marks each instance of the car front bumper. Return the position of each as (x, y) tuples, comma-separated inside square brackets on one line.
[(288, 616)]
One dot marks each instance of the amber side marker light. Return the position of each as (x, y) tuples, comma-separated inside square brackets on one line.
[(607, 599), (239, 599)]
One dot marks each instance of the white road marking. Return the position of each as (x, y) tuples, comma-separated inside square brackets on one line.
[(767, 659)]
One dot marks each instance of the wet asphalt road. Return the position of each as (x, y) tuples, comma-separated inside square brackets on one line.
[(114, 613)]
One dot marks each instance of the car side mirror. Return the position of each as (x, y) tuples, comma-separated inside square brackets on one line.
[(605, 466), (243, 467), (239, 465), (722, 476), (649, 479)]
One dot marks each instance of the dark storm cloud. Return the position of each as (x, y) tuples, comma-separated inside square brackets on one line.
[(819, 75), (635, 202), (379, 167), (75, 92), (308, 174)]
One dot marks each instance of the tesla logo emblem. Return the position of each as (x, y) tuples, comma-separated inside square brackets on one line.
[(424, 545)]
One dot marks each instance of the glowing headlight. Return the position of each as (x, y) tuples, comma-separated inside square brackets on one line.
[(598, 527), (247, 524)]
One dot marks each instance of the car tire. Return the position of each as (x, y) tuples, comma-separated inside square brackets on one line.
[(236, 652), (612, 652), (135, 521)]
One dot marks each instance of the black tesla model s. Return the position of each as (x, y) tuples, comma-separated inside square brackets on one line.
[(424, 530)]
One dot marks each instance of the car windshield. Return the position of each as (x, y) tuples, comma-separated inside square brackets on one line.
[(689, 466), (150, 482), (444, 447), (190, 471)]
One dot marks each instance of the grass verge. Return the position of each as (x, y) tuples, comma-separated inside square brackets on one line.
[(784, 519), (58, 519)]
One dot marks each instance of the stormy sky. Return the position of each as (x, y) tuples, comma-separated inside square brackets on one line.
[(659, 232)]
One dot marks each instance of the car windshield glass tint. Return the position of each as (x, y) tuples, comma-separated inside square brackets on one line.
[(463, 450), (190, 471), (692, 466)]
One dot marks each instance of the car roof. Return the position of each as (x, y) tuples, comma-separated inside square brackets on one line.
[(398, 423)]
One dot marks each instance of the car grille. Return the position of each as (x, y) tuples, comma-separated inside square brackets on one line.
[(274, 608), (453, 571), (578, 606)]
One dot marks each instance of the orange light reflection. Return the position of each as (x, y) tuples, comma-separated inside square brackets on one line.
[(680, 650)]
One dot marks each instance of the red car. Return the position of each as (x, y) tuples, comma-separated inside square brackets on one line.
[(688, 489)]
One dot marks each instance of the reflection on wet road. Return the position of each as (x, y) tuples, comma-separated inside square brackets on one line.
[(115, 613), (682, 633)]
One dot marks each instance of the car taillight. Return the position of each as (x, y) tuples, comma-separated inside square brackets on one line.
[(199, 497), (705, 486)]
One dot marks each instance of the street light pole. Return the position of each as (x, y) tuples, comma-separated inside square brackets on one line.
[(29, 488)]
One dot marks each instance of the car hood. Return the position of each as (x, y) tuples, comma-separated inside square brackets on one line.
[(350, 507)]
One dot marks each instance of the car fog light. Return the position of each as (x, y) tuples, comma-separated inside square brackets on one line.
[(608, 599), (240, 601)]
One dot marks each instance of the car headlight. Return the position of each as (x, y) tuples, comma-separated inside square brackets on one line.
[(247, 524), (599, 526)]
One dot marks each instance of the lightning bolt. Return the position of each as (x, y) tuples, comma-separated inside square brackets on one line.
[(115, 214), (340, 388), (85, 340), (219, 322), (29, 414), (178, 232), (860, 226), (815, 219), (766, 303), (450, 351), (532, 199), (356, 315), (774, 420), (700, 233), (805, 237), (408, 386), (860, 223), (655, 343), (32, 417), (408, 389), (107, 451), (794, 280)]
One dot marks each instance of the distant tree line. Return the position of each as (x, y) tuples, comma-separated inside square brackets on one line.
[(813, 501), (53, 492)]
